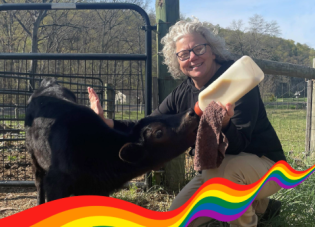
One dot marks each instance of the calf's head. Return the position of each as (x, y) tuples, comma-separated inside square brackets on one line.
[(158, 139), (50, 87)]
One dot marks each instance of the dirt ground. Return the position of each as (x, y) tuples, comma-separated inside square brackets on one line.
[(15, 164), (14, 200)]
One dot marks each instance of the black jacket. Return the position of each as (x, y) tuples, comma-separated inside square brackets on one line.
[(249, 129)]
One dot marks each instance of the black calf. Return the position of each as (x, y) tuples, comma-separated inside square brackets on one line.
[(75, 152)]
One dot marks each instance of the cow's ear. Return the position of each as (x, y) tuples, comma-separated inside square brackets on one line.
[(132, 153)]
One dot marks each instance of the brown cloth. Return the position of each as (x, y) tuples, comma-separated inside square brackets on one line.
[(211, 143)]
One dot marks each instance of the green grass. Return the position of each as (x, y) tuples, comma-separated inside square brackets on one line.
[(299, 202), (20, 116), (290, 126), (14, 123), (156, 198), (129, 115), (291, 99), (11, 158), (274, 99), (297, 106)]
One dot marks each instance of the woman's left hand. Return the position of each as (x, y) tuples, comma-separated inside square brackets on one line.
[(229, 113)]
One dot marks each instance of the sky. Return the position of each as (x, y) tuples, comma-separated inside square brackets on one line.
[(296, 18)]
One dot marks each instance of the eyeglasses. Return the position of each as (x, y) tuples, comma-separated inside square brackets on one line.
[(198, 50)]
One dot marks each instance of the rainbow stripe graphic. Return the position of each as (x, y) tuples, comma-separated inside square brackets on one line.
[(218, 198)]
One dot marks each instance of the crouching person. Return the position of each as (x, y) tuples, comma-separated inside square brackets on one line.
[(193, 51)]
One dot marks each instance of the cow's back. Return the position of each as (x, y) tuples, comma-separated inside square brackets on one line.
[(71, 136)]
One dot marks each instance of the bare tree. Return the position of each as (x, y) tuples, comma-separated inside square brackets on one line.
[(75, 31), (256, 40)]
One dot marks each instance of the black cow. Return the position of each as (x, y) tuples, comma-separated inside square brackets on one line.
[(75, 153)]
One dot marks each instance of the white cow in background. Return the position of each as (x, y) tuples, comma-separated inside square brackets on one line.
[(120, 98)]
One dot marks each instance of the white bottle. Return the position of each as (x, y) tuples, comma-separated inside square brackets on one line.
[(234, 83)]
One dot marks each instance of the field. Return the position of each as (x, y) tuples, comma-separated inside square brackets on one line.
[(290, 125), (129, 115), (297, 204), (291, 99)]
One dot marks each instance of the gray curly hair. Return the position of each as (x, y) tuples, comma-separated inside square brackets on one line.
[(182, 28)]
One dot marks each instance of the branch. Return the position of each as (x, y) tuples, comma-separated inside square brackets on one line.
[(23, 26), (62, 25), (42, 16), (20, 22)]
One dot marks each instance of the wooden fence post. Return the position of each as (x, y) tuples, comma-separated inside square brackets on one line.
[(16, 111), (308, 116), (167, 14), (155, 98), (312, 117), (155, 93), (110, 101)]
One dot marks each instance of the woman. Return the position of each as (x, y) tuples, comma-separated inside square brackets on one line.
[(193, 51)]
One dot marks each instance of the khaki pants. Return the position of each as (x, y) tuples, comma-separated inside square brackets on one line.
[(244, 169)]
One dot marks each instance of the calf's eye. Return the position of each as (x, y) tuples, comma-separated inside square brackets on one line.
[(158, 134)]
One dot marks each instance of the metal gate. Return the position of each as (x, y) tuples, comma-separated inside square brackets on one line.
[(116, 78)]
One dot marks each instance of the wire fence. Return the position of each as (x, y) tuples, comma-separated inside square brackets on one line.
[(120, 90), (287, 114), (68, 42)]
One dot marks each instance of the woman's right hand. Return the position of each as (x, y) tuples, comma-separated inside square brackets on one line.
[(97, 108), (95, 102), (229, 113)]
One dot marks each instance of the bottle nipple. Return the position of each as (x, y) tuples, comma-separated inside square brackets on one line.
[(197, 109)]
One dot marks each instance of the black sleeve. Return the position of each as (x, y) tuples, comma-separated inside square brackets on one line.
[(242, 124), (168, 106)]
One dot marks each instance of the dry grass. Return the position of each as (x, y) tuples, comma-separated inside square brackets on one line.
[(14, 200)]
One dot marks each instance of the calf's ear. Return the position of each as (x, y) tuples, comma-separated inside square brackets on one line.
[(132, 153)]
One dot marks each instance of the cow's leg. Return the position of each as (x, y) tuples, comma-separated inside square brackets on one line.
[(39, 174), (57, 185)]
